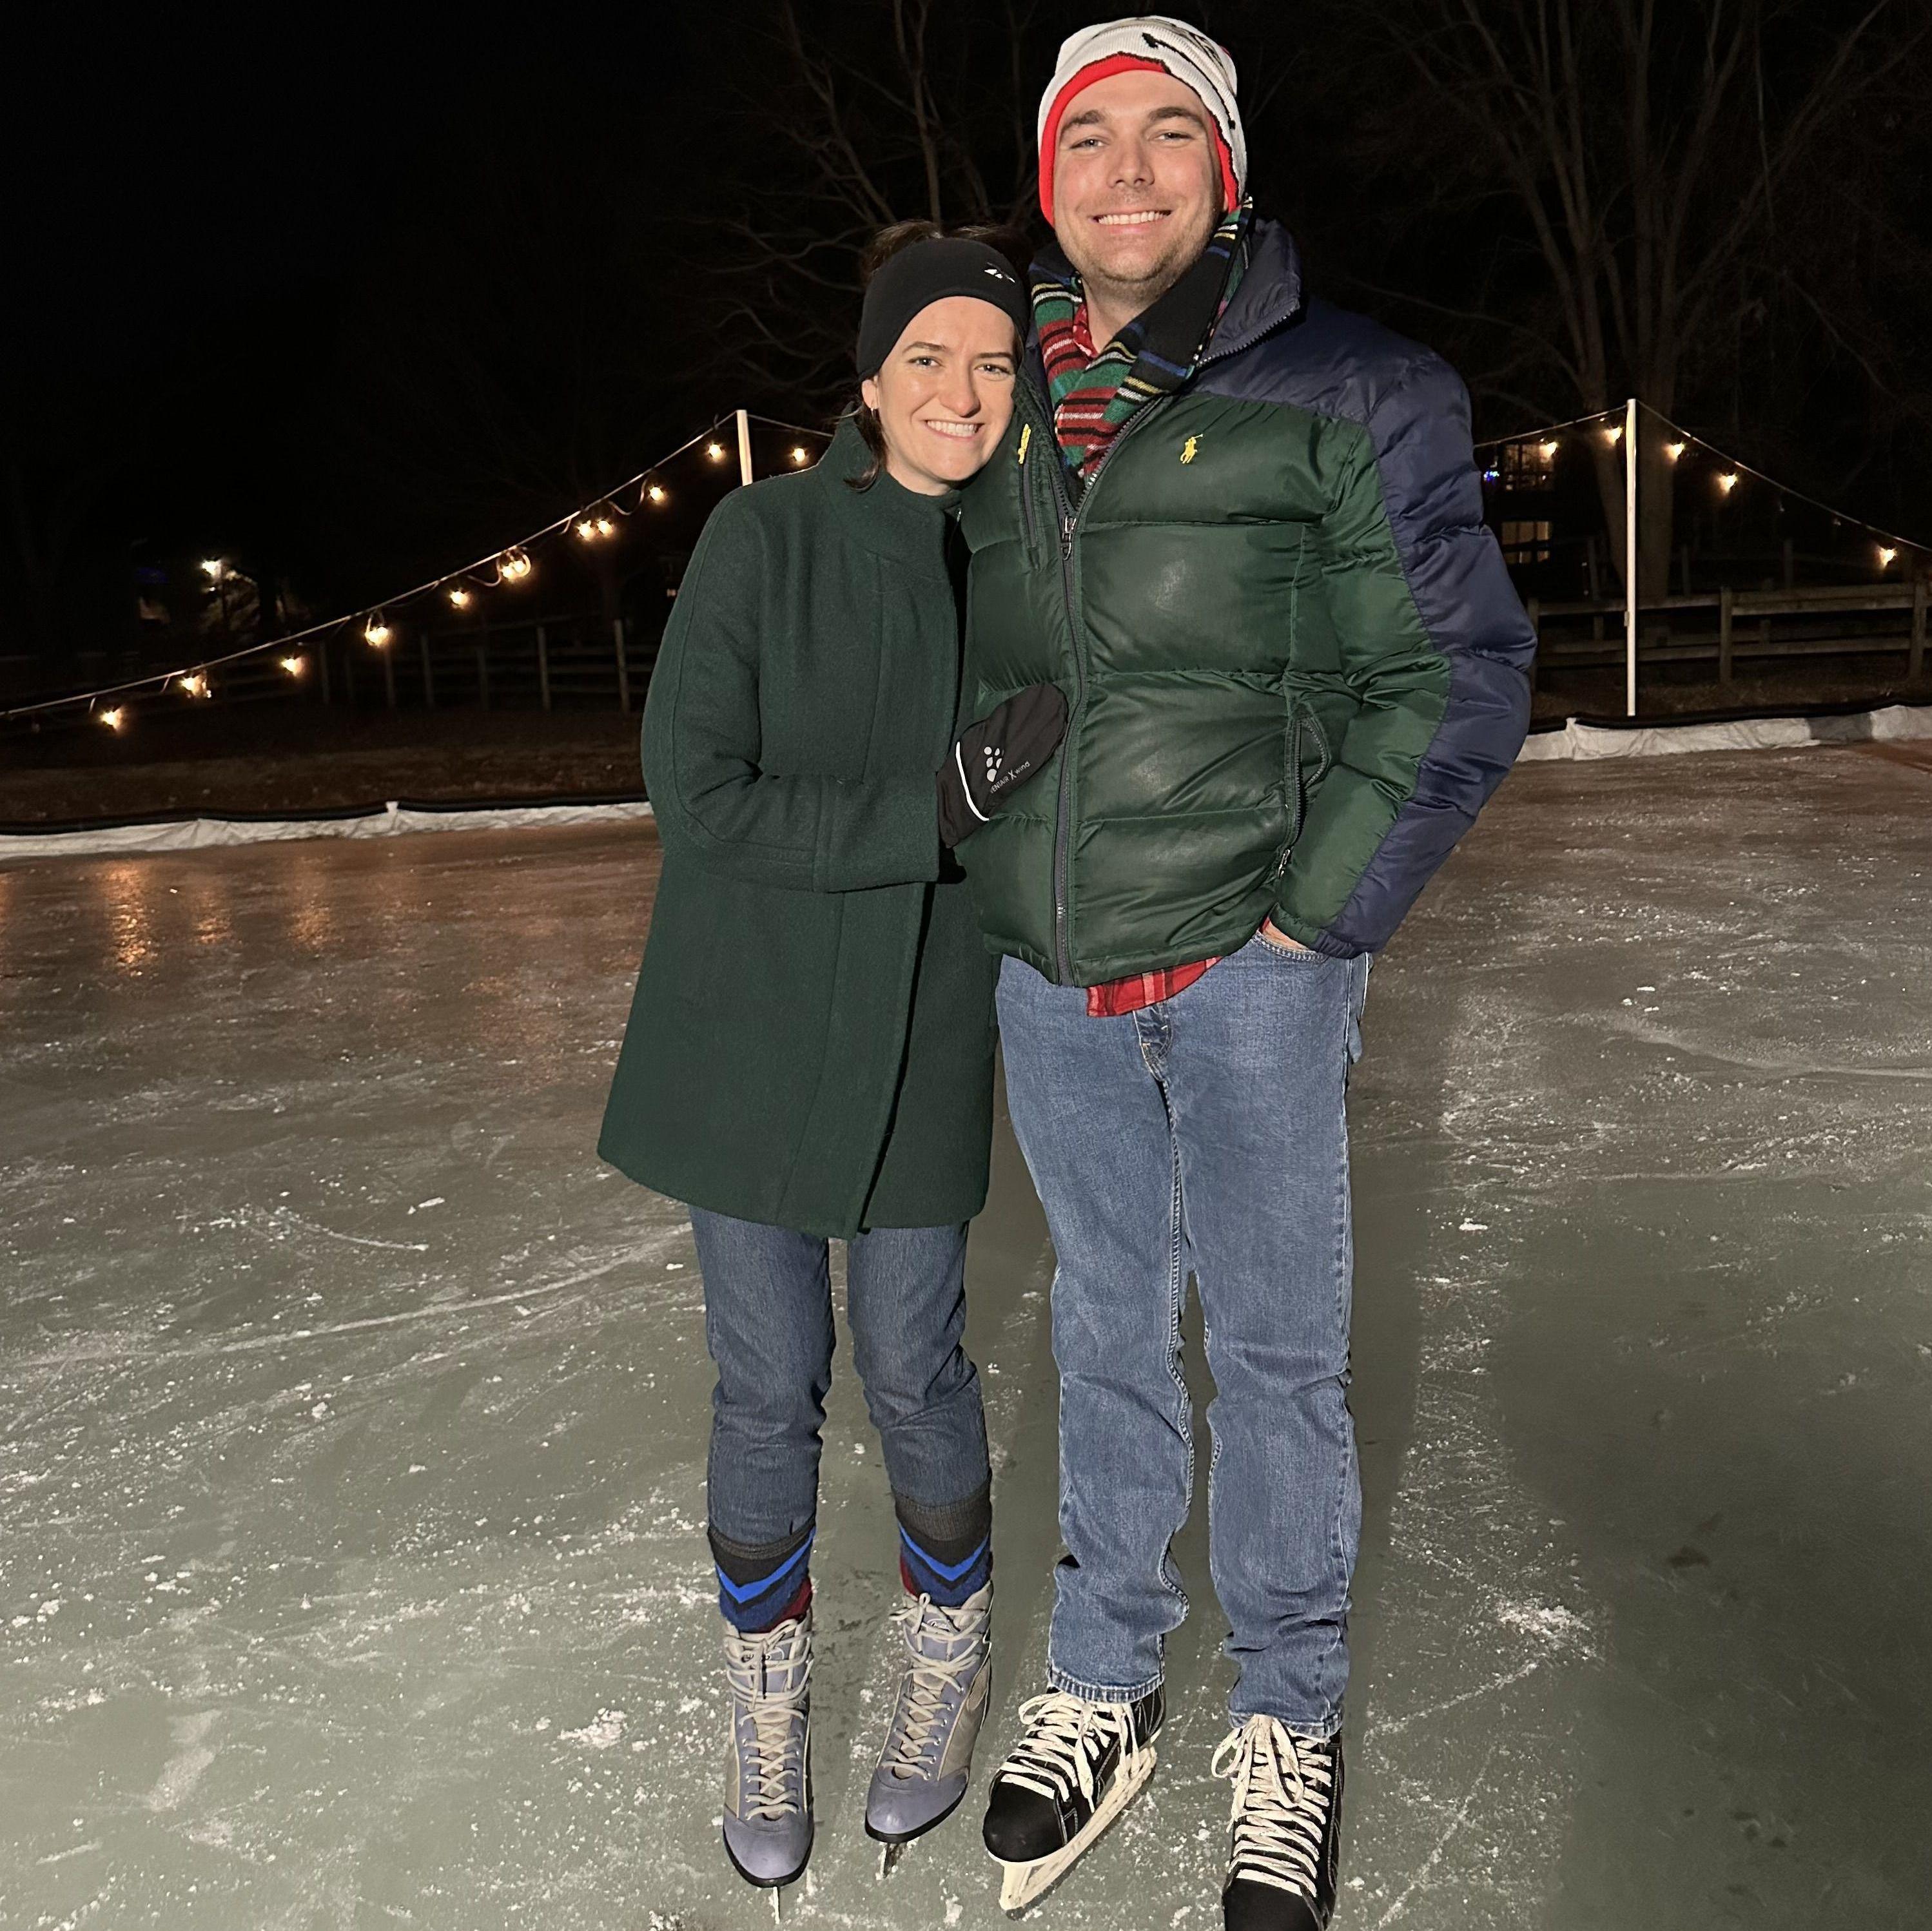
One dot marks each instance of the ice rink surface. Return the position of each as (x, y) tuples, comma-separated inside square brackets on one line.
[(353, 1420)]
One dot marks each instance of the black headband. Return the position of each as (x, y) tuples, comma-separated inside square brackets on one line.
[(927, 272)]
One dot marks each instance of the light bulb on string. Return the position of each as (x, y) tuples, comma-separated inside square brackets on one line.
[(1887, 556), (514, 565), (460, 598), (605, 527), (114, 718), (587, 530), (375, 633), (800, 455), (193, 683), (656, 493), (212, 568), (1548, 450), (1613, 433), (1673, 449), (294, 665), (1728, 481), (715, 450)]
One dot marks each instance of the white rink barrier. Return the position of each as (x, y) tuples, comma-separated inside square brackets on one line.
[(193, 834), (1892, 724)]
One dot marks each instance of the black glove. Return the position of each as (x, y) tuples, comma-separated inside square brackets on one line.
[(996, 755)]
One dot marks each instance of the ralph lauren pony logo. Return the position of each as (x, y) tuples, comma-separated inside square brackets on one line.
[(1189, 447)]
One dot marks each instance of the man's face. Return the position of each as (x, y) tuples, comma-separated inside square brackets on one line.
[(1136, 185)]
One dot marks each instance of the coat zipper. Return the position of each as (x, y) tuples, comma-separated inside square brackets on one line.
[(1069, 515)]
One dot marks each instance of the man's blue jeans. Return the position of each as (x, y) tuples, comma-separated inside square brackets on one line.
[(1204, 1134)]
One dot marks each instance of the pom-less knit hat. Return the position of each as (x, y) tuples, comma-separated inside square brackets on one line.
[(928, 271), (1154, 42)]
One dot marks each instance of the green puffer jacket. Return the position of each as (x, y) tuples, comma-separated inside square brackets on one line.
[(1296, 665)]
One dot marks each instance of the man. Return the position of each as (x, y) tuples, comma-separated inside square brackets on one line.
[(1243, 530)]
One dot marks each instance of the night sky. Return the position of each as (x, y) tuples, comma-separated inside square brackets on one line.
[(354, 299)]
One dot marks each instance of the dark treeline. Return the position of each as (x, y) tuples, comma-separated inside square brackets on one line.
[(351, 313)]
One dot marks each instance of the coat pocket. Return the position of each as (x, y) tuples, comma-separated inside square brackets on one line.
[(1302, 727)]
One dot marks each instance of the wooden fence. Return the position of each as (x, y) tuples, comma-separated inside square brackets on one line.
[(1728, 627)]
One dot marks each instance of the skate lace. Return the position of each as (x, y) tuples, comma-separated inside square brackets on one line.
[(1283, 1785), (774, 1716), (1064, 1740), (920, 1725)]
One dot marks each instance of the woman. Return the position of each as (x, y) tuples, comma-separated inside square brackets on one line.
[(809, 1056)]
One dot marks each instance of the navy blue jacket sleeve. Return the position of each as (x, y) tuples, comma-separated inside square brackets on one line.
[(1438, 647)]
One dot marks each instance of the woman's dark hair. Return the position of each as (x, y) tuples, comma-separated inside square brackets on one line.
[(1011, 242)]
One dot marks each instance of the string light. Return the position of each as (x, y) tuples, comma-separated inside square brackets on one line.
[(1613, 433), (1728, 481), (1673, 449), (1887, 556), (1549, 449), (513, 565), (800, 455)]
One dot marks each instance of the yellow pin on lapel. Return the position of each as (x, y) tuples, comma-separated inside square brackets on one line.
[(1192, 443)]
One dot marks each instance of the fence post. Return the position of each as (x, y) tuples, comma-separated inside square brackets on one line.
[(1724, 597), (483, 666), (744, 445), (623, 667), (543, 666), (1630, 557), (1915, 664)]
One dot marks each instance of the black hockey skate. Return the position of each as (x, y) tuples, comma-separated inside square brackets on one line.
[(1077, 1767), (1284, 1831)]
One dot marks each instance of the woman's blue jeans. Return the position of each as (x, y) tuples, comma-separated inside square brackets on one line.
[(768, 1326), (1205, 1134)]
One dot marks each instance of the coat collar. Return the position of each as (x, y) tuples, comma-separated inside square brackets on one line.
[(887, 518), (1270, 292)]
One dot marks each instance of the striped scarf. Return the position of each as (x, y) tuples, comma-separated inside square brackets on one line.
[(1094, 394)]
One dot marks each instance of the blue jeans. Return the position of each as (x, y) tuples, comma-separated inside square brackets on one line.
[(1204, 1134), (768, 1327)]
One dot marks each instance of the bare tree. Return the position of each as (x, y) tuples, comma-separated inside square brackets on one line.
[(867, 112), (1634, 164)]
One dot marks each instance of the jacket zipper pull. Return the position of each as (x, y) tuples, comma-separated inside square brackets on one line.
[(1066, 535)]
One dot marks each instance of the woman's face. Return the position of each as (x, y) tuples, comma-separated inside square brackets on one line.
[(944, 395)]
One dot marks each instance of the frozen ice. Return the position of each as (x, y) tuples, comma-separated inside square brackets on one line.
[(352, 1569)]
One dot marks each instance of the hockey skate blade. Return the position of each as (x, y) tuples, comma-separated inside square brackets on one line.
[(1024, 1885)]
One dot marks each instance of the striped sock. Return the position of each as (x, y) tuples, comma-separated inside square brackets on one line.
[(946, 1553), (761, 1585)]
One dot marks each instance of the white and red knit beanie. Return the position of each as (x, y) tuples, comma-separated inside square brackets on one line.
[(1152, 41)]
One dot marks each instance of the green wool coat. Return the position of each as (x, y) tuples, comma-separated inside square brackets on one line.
[(810, 1044)]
